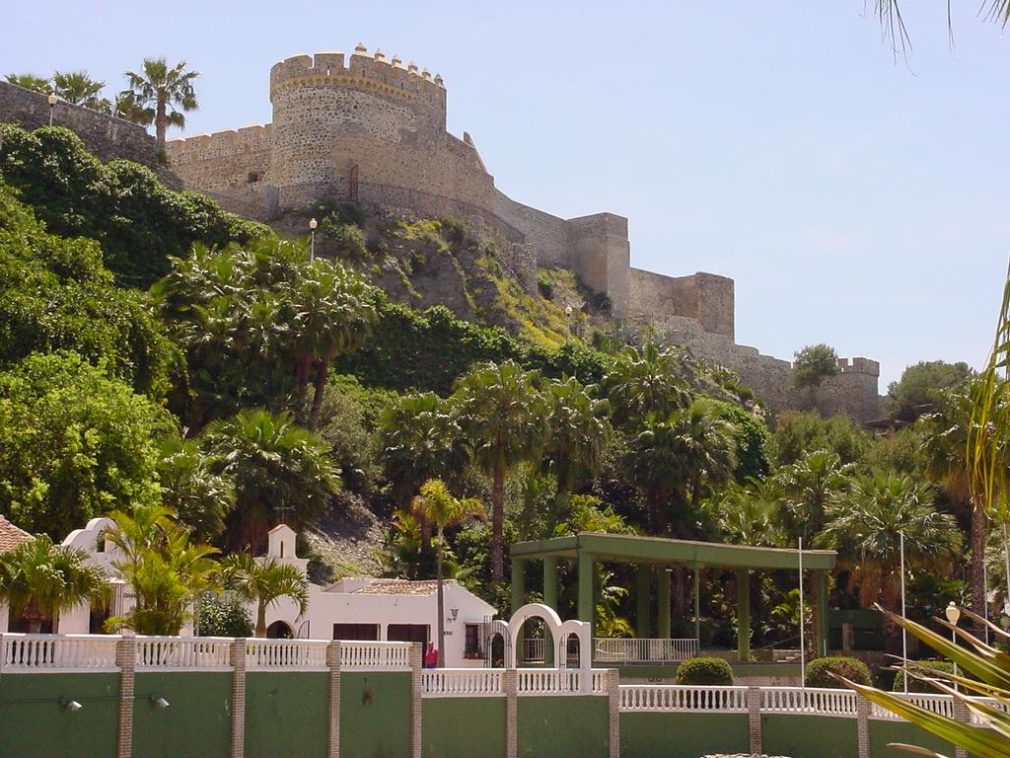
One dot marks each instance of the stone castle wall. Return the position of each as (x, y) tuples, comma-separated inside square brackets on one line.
[(105, 136)]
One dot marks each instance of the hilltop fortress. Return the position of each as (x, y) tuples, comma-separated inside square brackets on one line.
[(372, 130)]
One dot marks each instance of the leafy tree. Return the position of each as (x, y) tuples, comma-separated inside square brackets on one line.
[(74, 444), (222, 616), (865, 527), (798, 434), (32, 82), (748, 514), (167, 91), (282, 473), (190, 487), (644, 382), (164, 568), (77, 88), (752, 441), (421, 439), (807, 488), (501, 412), (40, 580), (918, 390), (436, 505), (813, 364), (264, 582)]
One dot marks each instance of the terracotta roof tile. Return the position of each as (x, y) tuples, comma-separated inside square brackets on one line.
[(11, 536), (399, 587)]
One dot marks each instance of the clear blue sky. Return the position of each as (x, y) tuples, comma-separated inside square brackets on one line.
[(855, 200)]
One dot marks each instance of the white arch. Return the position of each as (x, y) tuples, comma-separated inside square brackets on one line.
[(559, 634)]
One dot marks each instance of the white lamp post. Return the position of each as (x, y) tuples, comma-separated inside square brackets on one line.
[(312, 238), (953, 613), (52, 104)]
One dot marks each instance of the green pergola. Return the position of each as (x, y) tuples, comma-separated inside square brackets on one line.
[(654, 553)]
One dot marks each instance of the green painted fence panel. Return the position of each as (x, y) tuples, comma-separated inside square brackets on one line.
[(375, 714), (456, 727), (34, 723), (560, 726), (810, 736), (883, 732), (197, 722), (682, 735), (287, 713)]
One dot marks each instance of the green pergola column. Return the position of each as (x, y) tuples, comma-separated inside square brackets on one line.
[(551, 581), (643, 590), (586, 588), (821, 613), (743, 614), (697, 605), (663, 605), (518, 584)]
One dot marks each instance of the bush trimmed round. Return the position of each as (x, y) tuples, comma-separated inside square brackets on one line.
[(917, 685), (705, 670), (820, 670)]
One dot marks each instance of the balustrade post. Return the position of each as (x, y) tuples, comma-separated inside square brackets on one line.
[(962, 714), (612, 684), (333, 663), (510, 684), (237, 659), (126, 660), (754, 735), (863, 727), (415, 702)]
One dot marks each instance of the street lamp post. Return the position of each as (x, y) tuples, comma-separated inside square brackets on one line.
[(312, 238), (953, 613), (52, 104)]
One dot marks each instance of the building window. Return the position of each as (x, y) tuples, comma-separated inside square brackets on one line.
[(407, 633), (473, 646), (359, 632)]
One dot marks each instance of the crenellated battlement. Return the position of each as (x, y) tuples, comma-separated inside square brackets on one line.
[(859, 366), (247, 138), (372, 72)]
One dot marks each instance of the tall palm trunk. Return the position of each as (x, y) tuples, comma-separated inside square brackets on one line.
[(261, 619), (317, 396), (161, 123), (497, 522)]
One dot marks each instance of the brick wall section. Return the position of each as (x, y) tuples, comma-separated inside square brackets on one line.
[(416, 706), (106, 136), (126, 660), (333, 663), (237, 658)]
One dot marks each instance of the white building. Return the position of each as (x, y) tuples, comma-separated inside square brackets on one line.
[(359, 608)]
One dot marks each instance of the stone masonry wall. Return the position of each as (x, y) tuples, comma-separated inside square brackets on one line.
[(106, 136)]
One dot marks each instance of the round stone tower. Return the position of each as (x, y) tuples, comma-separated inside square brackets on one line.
[(370, 130)]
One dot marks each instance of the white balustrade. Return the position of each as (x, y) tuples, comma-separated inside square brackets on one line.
[(291, 655), (389, 656), (810, 700), (24, 653), (646, 650), (192, 653), (942, 705), (462, 683), (673, 697)]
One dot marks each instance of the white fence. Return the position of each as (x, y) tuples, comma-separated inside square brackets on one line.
[(647, 697), (23, 653), (392, 656), (203, 653), (620, 650), (291, 655), (462, 683)]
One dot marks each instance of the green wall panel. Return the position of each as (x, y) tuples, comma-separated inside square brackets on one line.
[(197, 722), (375, 715), (810, 736), (33, 723), (287, 713), (883, 732), (456, 727), (566, 725), (682, 735)]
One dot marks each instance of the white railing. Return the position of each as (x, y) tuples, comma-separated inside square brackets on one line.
[(50, 652), (647, 650), (942, 705), (823, 702), (203, 653), (672, 697), (462, 683), (301, 655), (394, 656), (558, 682)]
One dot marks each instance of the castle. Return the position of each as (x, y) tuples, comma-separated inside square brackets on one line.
[(372, 130)]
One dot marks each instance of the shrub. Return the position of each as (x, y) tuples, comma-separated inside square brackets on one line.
[(223, 616), (820, 670), (917, 685), (704, 670), (348, 239)]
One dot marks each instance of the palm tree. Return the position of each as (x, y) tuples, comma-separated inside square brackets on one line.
[(749, 514), (40, 580), (436, 505), (577, 437), (264, 582), (281, 472), (421, 440), (645, 382), (190, 487), (160, 89), (865, 527), (32, 82), (165, 569), (329, 311), (501, 414), (77, 88), (807, 487)]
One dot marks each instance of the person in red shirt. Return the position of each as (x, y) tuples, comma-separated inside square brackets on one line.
[(431, 656)]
